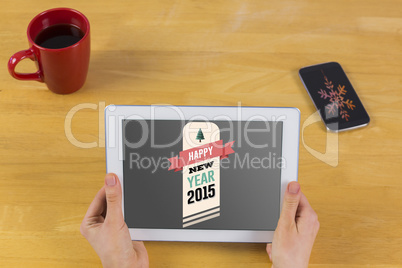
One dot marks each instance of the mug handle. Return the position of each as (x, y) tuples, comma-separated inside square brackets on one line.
[(16, 58)]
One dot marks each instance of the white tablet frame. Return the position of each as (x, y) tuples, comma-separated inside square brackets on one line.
[(114, 115)]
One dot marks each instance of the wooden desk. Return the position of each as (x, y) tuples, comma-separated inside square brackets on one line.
[(205, 53)]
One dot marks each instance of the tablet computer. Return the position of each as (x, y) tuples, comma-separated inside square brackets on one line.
[(193, 173)]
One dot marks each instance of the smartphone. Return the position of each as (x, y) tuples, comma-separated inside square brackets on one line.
[(334, 96)]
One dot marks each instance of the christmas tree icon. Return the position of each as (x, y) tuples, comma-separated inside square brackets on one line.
[(200, 135)]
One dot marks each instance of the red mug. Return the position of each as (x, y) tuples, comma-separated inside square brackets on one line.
[(64, 70)]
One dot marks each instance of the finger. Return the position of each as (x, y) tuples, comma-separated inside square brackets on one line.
[(142, 255), (94, 213), (269, 251), (290, 204), (304, 205), (114, 213), (305, 212), (98, 205)]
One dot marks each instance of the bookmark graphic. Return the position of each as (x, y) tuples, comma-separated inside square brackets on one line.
[(200, 164)]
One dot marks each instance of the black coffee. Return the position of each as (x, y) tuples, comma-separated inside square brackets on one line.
[(59, 36)]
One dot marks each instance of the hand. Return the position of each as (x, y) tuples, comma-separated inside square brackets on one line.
[(296, 231), (104, 228)]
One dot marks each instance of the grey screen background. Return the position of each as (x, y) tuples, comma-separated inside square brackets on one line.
[(250, 197)]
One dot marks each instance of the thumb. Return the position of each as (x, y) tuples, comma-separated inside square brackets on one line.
[(290, 203), (114, 213)]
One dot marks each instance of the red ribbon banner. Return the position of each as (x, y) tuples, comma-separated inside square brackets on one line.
[(201, 153)]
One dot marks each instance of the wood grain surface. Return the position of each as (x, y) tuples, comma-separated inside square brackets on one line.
[(205, 53)]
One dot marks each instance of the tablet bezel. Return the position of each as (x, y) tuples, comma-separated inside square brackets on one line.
[(114, 115)]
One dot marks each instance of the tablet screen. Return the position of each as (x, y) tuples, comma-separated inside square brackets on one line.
[(217, 175)]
